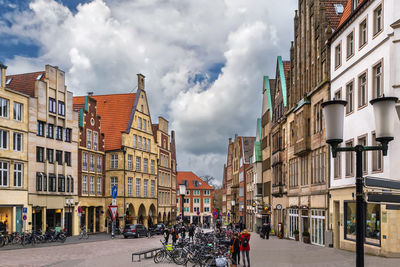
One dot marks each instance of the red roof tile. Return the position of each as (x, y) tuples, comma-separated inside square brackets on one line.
[(331, 15), (190, 177), (115, 111), (25, 83), (347, 11)]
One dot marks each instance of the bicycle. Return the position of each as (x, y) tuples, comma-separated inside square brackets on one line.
[(83, 233)]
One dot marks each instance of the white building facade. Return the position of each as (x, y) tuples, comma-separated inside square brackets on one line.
[(365, 64)]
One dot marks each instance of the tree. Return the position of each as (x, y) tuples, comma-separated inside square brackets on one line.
[(208, 179)]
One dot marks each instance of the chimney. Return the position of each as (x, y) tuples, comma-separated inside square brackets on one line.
[(2, 75), (141, 81), (173, 134), (90, 93), (236, 136), (230, 140)]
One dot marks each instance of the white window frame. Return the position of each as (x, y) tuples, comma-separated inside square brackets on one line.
[(4, 107), (138, 163), (84, 161), (145, 165), (89, 139), (145, 187), (318, 225), (91, 162), (18, 174), (95, 140), (114, 161), (91, 185), (84, 184), (130, 164), (99, 163), (138, 185), (152, 189), (113, 181), (99, 185), (293, 222), (4, 171), (18, 108), (17, 141), (130, 182), (2, 145)]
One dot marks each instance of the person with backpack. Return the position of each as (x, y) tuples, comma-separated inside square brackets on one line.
[(166, 235), (267, 230), (174, 235), (191, 232), (245, 247), (235, 250)]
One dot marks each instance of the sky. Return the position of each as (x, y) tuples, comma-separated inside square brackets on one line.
[(204, 60)]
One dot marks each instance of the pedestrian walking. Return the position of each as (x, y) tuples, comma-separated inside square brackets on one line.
[(267, 230), (191, 232), (245, 247), (235, 250), (183, 232), (166, 235), (174, 235)]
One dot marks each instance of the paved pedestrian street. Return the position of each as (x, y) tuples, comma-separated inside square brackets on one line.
[(117, 252)]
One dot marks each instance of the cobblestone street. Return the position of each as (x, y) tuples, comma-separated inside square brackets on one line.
[(117, 252)]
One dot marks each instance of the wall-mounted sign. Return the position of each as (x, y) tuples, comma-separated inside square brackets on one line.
[(278, 206)]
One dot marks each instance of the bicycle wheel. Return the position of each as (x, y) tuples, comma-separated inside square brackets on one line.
[(160, 255), (2, 241), (86, 236), (179, 256)]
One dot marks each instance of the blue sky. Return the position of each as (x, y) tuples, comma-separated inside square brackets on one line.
[(204, 60)]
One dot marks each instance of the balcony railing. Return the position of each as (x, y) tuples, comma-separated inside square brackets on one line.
[(277, 157), (302, 146)]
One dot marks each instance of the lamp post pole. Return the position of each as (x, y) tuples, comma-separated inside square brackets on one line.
[(182, 192), (384, 110), (183, 215)]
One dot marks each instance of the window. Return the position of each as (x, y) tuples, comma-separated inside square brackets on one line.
[(304, 170), (338, 94), (3, 107), (363, 141), (130, 164), (59, 133), (84, 161), (68, 135), (50, 130), (52, 105), (197, 192), (349, 97), (349, 160), (59, 155), (318, 166), (52, 183), (17, 141), (138, 159), (91, 162), (39, 154), (145, 187), (44, 182), (134, 141), (17, 111), (144, 124), (378, 81), (196, 209), (4, 173), (338, 55), (206, 192), (95, 134), (293, 173), (84, 184), (38, 181), (350, 45), (72, 184), (18, 174), (377, 158), (363, 33), (137, 187), (61, 183), (337, 166), (318, 126), (148, 144), (61, 108), (206, 201), (293, 222), (99, 185), (3, 139), (362, 90), (196, 201), (317, 227), (140, 123), (68, 183), (152, 166), (206, 209), (152, 188), (378, 21), (50, 155), (89, 139), (139, 142), (130, 181), (91, 185), (40, 128), (145, 165), (98, 163), (114, 161), (114, 182), (67, 158)]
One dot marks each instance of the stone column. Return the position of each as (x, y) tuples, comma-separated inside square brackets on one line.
[(44, 222), (13, 219), (94, 219), (134, 219), (86, 218)]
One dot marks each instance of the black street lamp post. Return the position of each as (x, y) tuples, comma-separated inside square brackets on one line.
[(182, 192), (384, 110), (233, 210)]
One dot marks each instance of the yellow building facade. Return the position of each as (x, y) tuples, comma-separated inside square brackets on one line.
[(13, 156)]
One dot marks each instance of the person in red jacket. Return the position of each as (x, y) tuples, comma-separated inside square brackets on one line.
[(245, 247)]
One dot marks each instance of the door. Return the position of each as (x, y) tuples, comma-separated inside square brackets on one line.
[(336, 226), (18, 219), (68, 223)]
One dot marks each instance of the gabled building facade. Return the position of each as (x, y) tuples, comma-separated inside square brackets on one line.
[(166, 178), (53, 150), (91, 160), (131, 156), (365, 56), (13, 155)]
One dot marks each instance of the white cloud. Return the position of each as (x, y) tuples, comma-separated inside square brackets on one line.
[(104, 44)]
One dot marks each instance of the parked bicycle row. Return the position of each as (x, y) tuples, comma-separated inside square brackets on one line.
[(32, 238)]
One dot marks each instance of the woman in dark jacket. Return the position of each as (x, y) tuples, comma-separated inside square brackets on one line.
[(235, 243)]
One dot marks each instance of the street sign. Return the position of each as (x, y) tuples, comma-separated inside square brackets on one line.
[(79, 209), (198, 213), (215, 214), (114, 191), (24, 210), (113, 211), (278, 206), (229, 215), (24, 217), (113, 202)]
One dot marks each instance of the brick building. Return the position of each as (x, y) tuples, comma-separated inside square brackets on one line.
[(198, 199), (91, 160)]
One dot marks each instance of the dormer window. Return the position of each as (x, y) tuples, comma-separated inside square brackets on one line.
[(8, 81), (354, 5)]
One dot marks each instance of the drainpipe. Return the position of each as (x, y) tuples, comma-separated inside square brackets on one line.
[(124, 152)]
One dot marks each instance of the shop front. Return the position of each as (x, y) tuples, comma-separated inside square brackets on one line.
[(11, 219)]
